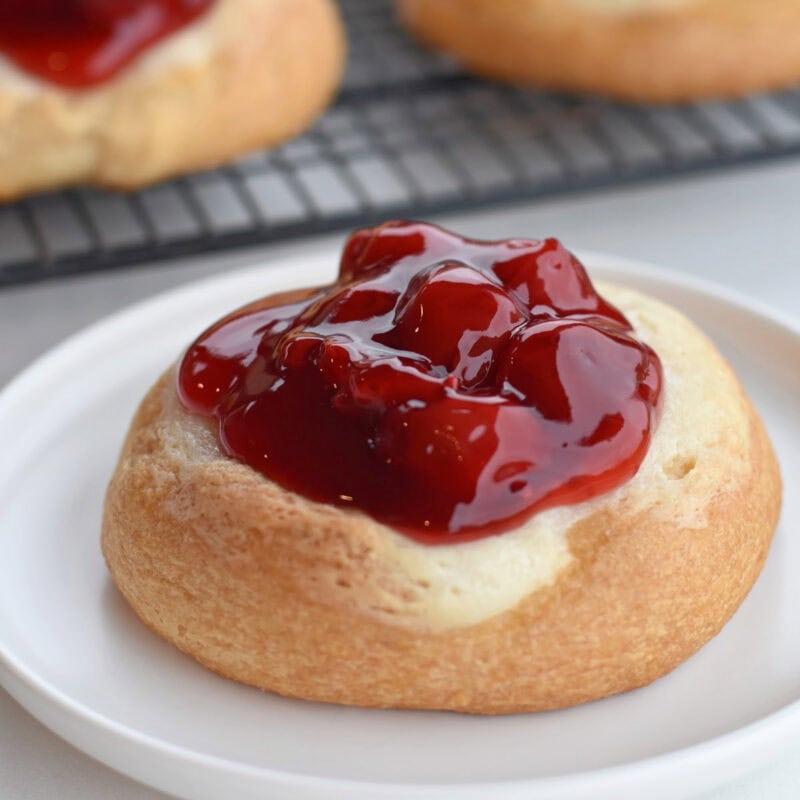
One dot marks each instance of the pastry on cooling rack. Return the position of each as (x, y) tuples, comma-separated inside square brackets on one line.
[(458, 478), (125, 93), (637, 50)]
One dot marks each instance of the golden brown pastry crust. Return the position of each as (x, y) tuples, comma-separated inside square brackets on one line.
[(700, 49), (249, 74), (304, 599)]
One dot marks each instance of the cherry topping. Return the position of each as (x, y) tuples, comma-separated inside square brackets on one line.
[(80, 43), (448, 387)]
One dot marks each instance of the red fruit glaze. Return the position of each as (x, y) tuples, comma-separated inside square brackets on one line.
[(80, 43), (449, 388)]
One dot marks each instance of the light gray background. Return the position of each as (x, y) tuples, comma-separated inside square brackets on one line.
[(740, 228)]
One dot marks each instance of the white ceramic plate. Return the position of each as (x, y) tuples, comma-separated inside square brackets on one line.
[(78, 659)]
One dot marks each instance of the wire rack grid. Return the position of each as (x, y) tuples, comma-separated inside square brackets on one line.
[(409, 136)]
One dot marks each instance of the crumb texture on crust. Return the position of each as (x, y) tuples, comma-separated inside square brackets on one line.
[(248, 74), (318, 602), (634, 50)]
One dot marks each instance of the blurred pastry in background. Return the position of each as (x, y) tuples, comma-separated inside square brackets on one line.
[(633, 50), (129, 92)]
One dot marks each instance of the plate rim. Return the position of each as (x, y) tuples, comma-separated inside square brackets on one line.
[(751, 744)]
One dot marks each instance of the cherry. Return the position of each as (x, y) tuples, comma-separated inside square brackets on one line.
[(452, 436), (551, 281), (376, 248), (459, 318), (571, 371)]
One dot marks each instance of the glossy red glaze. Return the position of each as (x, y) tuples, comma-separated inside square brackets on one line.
[(80, 43), (448, 387)]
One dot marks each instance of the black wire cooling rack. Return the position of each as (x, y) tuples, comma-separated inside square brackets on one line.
[(410, 135)]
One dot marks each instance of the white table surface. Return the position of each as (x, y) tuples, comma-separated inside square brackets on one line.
[(741, 228)]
